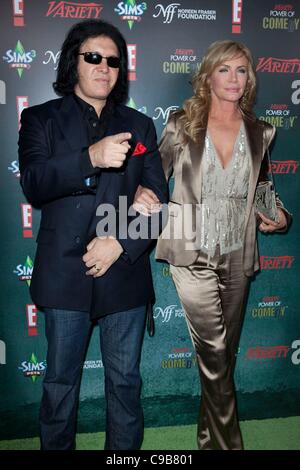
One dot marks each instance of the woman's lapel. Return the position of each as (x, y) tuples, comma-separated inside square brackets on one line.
[(191, 170)]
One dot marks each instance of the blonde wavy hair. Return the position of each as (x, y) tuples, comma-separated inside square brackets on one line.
[(194, 112)]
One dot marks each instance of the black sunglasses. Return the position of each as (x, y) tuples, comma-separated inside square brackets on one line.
[(96, 58)]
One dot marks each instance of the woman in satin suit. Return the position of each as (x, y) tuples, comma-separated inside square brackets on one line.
[(216, 149)]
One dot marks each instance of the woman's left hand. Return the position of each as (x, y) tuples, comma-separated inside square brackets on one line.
[(268, 225)]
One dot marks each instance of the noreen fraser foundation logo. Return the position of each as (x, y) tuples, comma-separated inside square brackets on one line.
[(160, 113), (52, 58), (80, 10), (166, 313), (174, 11), (93, 364)]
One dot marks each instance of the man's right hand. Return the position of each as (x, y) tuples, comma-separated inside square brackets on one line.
[(110, 152)]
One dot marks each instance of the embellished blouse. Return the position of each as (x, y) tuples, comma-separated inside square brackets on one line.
[(224, 196)]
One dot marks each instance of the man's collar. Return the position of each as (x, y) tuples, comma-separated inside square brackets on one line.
[(87, 108)]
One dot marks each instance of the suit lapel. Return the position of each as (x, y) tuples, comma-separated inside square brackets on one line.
[(71, 123), (191, 170), (255, 140), (115, 126)]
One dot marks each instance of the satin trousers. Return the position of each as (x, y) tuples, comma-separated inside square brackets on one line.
[(213, 295)]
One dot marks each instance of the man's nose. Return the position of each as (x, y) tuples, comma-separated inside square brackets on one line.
[(103, 65)]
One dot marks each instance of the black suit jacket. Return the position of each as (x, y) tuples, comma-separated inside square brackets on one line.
[(52, 138)]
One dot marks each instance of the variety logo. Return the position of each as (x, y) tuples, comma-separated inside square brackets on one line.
[(131, 51), (52, 57), (32, 368), (18, 8), (284, 166), (268, 352), (166, 313), (181, 61), (276, 65), (276, 352), (74, 10), (276, 262), (279, 115), (295, 98), (179, 358), (131, 11), (171, 11), (282, 17), (19, 59), (2, 352), (24, 272), (98, 364), (131, 104), (22, 103), (163, 113), (27, 220), (31, 316), (2, 92), (269, 307), (14, 168), (237, 7)]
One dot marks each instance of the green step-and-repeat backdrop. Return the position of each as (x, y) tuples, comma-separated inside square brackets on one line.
[(166, 41)]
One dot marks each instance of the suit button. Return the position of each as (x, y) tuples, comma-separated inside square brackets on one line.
[(78, 205), (77, 240)]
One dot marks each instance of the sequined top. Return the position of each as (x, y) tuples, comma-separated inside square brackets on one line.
[(224, 196)]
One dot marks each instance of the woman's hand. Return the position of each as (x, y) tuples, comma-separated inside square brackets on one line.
[(146, 201), (269, 226)]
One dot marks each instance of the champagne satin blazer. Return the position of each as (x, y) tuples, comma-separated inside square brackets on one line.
[(183, 158)]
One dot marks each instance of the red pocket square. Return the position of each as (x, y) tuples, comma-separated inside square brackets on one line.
[(139, 149)]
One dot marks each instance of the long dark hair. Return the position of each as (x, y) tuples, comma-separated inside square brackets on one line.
[(67, 76)]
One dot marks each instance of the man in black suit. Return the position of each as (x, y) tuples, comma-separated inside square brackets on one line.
[(76, 154)]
